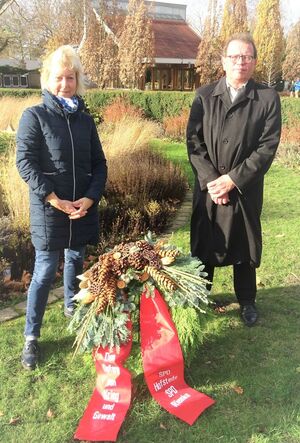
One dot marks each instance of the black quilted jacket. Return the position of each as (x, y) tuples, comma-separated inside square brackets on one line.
[(60, 152)]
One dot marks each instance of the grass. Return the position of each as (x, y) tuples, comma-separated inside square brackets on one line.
[(13, 108), (252, 373)]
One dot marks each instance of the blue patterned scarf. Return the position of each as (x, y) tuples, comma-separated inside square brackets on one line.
[(69, 105)]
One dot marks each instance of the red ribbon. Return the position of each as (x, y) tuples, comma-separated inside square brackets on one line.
[(163, 362), (110, 400), (164, 374)]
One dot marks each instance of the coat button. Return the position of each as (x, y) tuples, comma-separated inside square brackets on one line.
[(225, 141), (222, 168)]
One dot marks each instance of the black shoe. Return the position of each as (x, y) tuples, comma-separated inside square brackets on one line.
[(69, 312), (30, 355), (249, 314)]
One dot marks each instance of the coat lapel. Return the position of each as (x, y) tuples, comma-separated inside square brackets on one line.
[(222, 91)]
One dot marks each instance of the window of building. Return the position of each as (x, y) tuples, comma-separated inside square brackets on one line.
[(6, 81), (24, 80), (15, 80)]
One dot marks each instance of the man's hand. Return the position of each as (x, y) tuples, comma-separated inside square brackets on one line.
[(221, 200), (219, 189)]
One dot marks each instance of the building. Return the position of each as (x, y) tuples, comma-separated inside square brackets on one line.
[(12, 76), (175, 48)]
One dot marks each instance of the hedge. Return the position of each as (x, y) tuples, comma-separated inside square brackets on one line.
[(155, 104), (18, 92)]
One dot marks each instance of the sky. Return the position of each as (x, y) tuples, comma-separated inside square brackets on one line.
[(290, 9)]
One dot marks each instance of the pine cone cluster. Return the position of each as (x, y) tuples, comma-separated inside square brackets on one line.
[(104, 277)]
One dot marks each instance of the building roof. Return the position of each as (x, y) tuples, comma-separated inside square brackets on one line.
[(174, 39)]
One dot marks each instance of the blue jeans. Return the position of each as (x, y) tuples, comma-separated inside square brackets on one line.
[(45, 267)]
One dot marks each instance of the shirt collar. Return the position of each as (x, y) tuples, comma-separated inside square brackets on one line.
[(233, 92)]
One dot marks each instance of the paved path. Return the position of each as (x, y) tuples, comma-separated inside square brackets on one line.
[(181, 219)]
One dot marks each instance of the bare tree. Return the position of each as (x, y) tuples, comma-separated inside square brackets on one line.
[(4, 35), (4, 4)]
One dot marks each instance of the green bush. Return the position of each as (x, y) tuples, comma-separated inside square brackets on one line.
[(155, 105), (18, 92)]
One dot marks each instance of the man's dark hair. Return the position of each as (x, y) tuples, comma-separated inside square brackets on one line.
[(242, 37)]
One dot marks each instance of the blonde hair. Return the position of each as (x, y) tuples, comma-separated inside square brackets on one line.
[(66, 57)]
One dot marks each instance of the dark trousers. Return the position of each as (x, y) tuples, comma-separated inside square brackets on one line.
[(244, 282)]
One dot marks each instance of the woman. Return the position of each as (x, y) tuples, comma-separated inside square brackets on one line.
[(60, 156)]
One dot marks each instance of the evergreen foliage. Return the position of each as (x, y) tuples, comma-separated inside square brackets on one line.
[(269, 40)]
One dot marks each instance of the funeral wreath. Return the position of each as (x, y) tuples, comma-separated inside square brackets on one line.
[(111, 289)]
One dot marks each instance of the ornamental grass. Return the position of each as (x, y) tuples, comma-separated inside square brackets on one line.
[(14, 191), (12, 109), (175, 127)]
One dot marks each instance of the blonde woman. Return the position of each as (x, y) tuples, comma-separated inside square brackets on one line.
[(60, 157)]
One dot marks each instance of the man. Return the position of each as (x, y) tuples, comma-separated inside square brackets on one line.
[(232, 136)]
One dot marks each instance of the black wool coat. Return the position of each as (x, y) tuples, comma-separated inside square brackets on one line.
[(60, 152), (239, 139)]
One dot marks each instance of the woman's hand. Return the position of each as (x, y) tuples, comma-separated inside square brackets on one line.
[(74, 210), (81, 206), (65, 206)]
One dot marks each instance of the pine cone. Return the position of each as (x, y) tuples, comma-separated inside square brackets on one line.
[(168, 253), (161, 278)]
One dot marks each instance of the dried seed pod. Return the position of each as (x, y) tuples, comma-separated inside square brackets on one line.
[(121, 284), (84, 284), (89, 298), (144, 276), (117, 255), (167, 260)]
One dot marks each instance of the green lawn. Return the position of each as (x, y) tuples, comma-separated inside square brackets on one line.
[(252, 373)]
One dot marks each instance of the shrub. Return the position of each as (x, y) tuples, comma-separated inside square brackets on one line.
[(119, 109), (175, 127), (288, 154), (154, 104), (290, 110), (141, 176), (291, 131), (16, 247)]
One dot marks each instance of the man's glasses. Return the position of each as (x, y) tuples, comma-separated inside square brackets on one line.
[(244, 58)]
